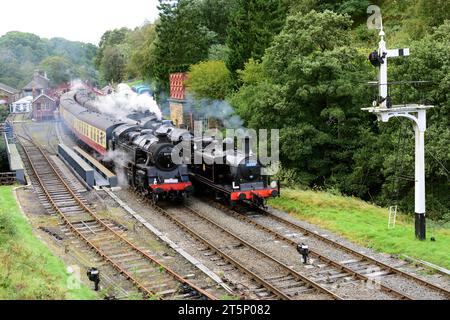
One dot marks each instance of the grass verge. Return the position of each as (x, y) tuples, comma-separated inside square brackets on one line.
[(28, 270), (366, 224)]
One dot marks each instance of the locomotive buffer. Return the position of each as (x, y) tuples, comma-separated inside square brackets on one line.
[(384, 110)]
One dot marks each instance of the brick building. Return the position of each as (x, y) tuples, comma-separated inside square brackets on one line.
[(8, 94), (44, 108), (40, 84)]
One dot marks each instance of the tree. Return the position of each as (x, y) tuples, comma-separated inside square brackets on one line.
[(113, 64), (305, 87), (139, 63), (355, 8), (216, 16), (182, 40), (436, 11), (253, 25), (21, 53), (59, 69), (210, 79), (110, 38)]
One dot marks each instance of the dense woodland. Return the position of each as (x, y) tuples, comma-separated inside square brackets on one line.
[(301, 66), (22, 53)]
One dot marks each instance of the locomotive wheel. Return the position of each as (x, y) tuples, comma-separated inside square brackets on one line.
[(155, 198), (180, 197)]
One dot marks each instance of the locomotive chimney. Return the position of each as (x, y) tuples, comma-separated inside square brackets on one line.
[(247, 147)]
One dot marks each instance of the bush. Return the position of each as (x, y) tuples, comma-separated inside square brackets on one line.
[(210, 79)]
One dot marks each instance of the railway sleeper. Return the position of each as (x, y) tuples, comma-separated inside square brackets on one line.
[(121, 255), (64, 198), (332, 277), (139, 263), (129, 258), (107, 238), (92, 229), (292, 292), (281, 277), (65, 207), (143, 271)]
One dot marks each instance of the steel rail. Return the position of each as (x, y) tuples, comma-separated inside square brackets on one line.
[(356, 253), (287, 268), (101, 253), (134, 247), (225, 256), (294, 244)]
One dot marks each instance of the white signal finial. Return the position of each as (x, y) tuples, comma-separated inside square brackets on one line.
[(382, 34)]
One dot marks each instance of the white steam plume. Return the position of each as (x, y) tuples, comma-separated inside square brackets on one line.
[(118, 158), (77, 84), (125, 101)]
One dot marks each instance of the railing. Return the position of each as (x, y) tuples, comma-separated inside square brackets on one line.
[(7, 178)]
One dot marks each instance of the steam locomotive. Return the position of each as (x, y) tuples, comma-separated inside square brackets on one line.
[(139, 146), (231, 175)]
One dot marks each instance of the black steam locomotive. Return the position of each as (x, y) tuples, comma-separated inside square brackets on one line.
[(139, 145), (232, 175)]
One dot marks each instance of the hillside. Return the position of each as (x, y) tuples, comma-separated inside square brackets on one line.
[(21, 53), (301, 66)]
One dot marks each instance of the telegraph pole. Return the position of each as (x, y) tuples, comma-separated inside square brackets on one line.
[(384, 110)]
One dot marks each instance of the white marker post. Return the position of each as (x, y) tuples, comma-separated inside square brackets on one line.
[(417, 114)]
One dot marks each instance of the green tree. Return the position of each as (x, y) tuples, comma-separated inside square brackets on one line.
[(113, 64), (436, 11), (305, 87), (216, 15), (59, 69), (139, 63), (182, 40), (210, 79), (253, 25), (22, 53), (110, 38)]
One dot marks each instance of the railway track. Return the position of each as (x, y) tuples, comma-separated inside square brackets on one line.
[(356, 266), (277, 281), (153, 278)]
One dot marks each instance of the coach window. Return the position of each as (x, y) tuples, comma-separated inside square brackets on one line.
[(101, 138)]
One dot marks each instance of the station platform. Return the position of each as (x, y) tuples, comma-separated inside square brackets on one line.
[(14, 159), (83, 170), (104, 177), (86, 167)]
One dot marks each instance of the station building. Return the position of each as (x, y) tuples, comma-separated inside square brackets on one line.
[(8, 94), (44, 108), (40, 84)]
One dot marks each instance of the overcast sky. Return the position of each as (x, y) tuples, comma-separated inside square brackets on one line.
[(78, 20)]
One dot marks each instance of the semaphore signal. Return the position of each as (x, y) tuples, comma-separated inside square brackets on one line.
[(385, 110)]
